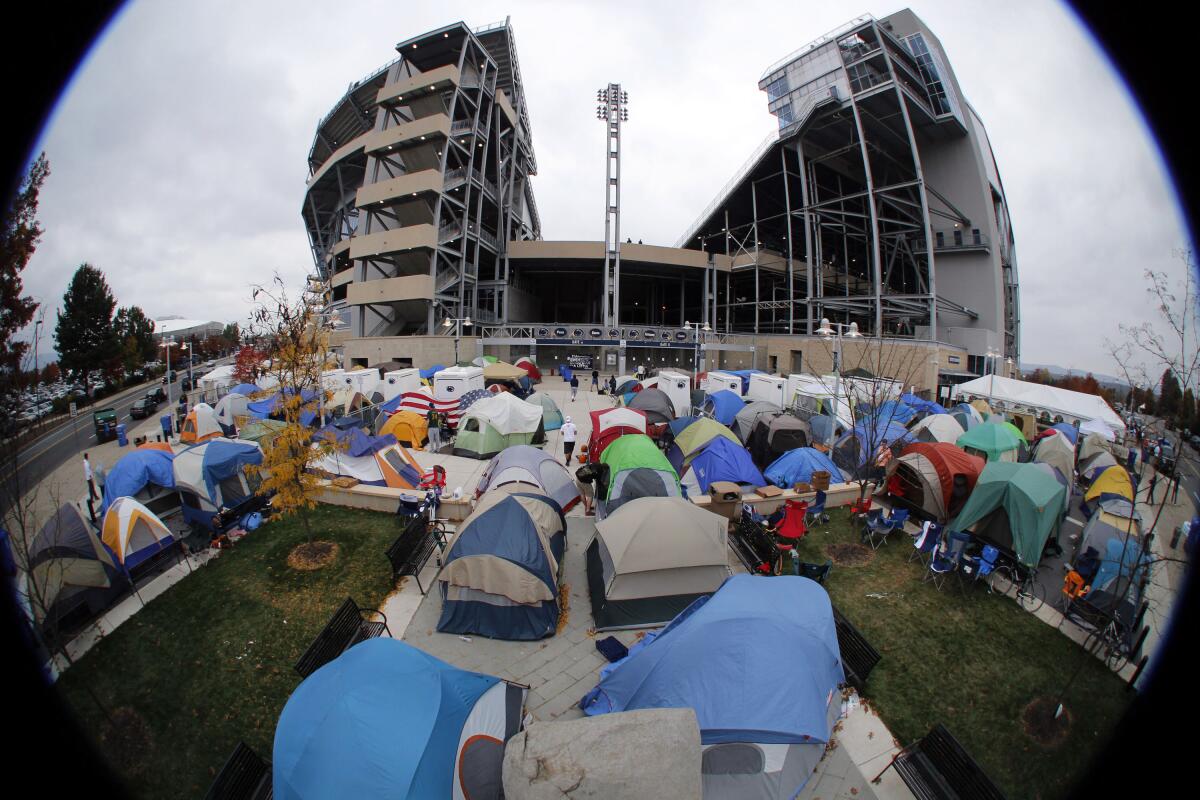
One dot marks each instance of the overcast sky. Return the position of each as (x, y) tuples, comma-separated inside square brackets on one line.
[(178, 154)]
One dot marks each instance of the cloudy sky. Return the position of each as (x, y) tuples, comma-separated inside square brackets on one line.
[(178, 154)]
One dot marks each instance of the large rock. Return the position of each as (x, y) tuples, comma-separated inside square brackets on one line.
[(624, 756)]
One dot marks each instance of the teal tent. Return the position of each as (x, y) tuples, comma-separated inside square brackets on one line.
[(1015, 507)]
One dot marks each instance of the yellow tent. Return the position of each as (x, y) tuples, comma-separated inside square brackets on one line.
[(1114, 480), (410, 428), (132, 532), (982, 406)]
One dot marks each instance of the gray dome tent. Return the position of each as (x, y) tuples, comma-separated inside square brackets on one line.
[(743, 423), (775, 435), (655, 404)]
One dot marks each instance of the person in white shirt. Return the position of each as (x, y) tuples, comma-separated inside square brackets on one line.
[(89, 477), (569, 432)]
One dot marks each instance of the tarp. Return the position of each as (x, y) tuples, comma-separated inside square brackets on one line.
[(937, 428), (386, 720), (997, 442), (261, 430), (722, 460), (797, 466), (393, 467), (527, 464), (651, 559), (920, 405), (246, 389), (1015, 507), (134, 471), (723, 406), (1068, 430), (655, 404), (892, 411), (353, 441), (531, 369), (565, 372), (936, 477), (782, 626), (1057, 401), (427, 374), (748, 416), (745, 374), (503, 371), (225, 458), (552, 417), (499, 576)]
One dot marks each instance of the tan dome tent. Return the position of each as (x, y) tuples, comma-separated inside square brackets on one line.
[(651, 559)]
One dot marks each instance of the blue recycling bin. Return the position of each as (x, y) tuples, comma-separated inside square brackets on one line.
[(121, 440), (166, 423)]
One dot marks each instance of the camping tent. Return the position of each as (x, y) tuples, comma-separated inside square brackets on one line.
[(797, 466), (500, 572), (261, 431), (966, 415), (132, 533), (141, 474), (502, 371), (856, 447), (935, 478), (759, 662), (531, 369), (651, 558), (937, 428), (410, 428), (720, 460), (723, 406), (995, 442), (1114, 481), (694, 437), (552, 417), (1056, 401), (246, 389), (920, 405), (229, 408), (609, 424), (495, 423), (1057, 451), (1119, 546), (69, 569), (636, 468), (524, 464), (1068, 430), (218, 378), (749, 415), (892, 411), (386, 720), (773, 436), (390, 465), (1099, 428), (1092, 443), (212, 475), (200, 425), (1015, 507), (655, 404)]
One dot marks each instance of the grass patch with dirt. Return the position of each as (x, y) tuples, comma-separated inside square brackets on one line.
[(972, 661), (209, 662)]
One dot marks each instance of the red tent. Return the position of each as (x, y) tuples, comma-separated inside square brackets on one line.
[(525, 363), (947, 461), (610, 423)]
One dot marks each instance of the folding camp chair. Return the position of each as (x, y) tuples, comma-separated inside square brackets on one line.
[(945, 559), (980, 566), (816, 511), (794, 525), (878, 526), (817, 572), (925, 542), (434, 479)]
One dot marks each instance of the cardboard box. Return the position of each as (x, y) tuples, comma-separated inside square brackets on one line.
[(801, 488), (725, 498), (769, 491)]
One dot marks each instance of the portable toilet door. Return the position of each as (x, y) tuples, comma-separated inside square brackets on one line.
[(767, 387), (454, 382), (399, 381), (363, 381), (677, 387), (331, 379), (718, 381)]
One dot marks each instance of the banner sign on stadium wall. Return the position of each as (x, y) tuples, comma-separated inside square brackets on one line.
[(576, 361)]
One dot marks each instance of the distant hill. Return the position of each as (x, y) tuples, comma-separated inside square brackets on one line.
[(1108, 381)]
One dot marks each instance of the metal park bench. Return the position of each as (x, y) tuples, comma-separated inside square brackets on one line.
[(415, 544), (348, 626), (937, 767), (858, 656), (245, 776), (755, 547)]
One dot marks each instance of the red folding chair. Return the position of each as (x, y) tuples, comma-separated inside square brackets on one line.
[(791, 528), (436, 479)]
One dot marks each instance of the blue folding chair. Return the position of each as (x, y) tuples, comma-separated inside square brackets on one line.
[(877, 527), (979, 567), (816, 511), (925, 542), (945, 559)]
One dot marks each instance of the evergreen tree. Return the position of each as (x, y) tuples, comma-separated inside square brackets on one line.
[(132, 323), (1171, 396), (1187, 412), (85, 335), (19, 236)]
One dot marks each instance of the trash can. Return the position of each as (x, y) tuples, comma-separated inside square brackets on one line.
[(121, 440), (166, 423)]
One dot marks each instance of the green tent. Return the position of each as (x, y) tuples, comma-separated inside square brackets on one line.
[(637, 452), (497, 422), (691, 440), (997, 419), (1015, 507), (260, 431), (996, 442)]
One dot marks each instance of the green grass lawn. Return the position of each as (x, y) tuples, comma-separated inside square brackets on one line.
[(971, 662), (210, 661)]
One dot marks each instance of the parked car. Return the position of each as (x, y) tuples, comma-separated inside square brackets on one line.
[(170, 377), (157, 395), (142, 408)]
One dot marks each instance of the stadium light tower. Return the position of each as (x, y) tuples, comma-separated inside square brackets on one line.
[(612, 108)]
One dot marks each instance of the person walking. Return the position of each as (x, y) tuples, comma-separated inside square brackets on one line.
[(1175, 488), (1131, 459), (574, 387), (435, 431), (569, 432), (595, 380), (1153, 482), (90, 477)]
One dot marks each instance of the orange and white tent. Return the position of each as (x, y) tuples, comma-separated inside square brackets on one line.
[(393, 467), (200, 425), (132, 533)]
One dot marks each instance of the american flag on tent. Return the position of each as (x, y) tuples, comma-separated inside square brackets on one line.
[(421, 403)]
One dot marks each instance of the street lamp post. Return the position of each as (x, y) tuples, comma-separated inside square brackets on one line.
[(992, 355), (167, 343), (687, 326), (459, 323), (37, 379), (835, 329)]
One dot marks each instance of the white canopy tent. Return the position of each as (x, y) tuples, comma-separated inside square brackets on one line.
[(1058, 402)]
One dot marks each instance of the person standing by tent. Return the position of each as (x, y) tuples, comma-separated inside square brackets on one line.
[(1175, 488), (1153, 482), (1131, 459), (435, 431), (569, 432), (585, 476), (90, 477), (595, 380), (574, 386), (883, 455), (612, 384), (181, 413)]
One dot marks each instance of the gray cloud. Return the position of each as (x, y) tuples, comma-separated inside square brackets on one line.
[(178, 154)]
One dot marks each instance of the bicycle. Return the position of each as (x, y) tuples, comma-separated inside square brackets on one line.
[(1021, 585)]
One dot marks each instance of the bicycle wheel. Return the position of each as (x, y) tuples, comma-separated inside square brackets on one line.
[(1030, 594), (1114, 656), (1002, 580)]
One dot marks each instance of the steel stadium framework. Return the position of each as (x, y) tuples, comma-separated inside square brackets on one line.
[(877, 201)]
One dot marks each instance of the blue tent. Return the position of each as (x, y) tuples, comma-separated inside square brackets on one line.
[(759, 663), (797, 466), (857, 446), (135, 471), (224, 458), (677, 425), (384, 720), (745, 374), (922, 406), (262, 409), (246, 389), (724, 406), (427, 374), (722, 460), (1068, 430), (354, 442), (499, 579), (892, 411)]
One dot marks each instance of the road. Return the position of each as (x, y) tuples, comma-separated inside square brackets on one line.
[(42, 456)]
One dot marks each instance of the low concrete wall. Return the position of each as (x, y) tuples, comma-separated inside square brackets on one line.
[(839, 494)]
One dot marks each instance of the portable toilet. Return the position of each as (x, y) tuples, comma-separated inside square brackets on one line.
[(767, 387), (677, 387), (453, 382), (364, 381), (399, 381), (331, 379), (718, 381)]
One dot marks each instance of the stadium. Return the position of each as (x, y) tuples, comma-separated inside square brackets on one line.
[(877, 203)]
